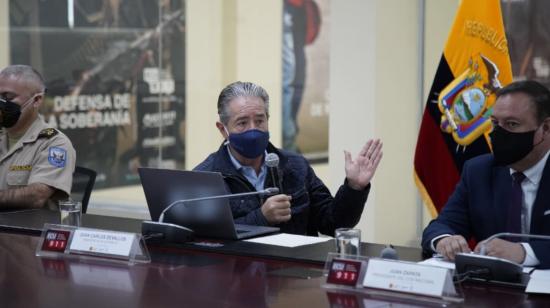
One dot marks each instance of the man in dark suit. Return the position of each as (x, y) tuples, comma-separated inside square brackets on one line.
[(507, 191)]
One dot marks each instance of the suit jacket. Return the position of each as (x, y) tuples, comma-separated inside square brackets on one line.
[(479, 205)]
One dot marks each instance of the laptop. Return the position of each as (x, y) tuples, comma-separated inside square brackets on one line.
[(207, 218)]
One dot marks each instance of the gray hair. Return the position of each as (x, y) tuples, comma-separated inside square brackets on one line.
[(26, 73), (240, 89)]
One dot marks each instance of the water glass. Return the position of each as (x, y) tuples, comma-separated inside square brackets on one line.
[(348, 241), (71, 212)]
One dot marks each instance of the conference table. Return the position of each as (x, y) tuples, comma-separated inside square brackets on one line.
[(204, 273)]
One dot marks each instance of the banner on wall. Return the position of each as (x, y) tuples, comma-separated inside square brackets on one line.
[(106, 90), (305, 58)]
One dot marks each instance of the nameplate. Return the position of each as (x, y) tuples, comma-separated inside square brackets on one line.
[(344, 272), (408, 277), (102, 242), (84, 243)]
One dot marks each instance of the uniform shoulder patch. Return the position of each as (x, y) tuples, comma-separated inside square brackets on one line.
[(48, 133), (57, 157)]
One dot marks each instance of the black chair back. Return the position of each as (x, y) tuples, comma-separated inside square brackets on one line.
[(83, 184)]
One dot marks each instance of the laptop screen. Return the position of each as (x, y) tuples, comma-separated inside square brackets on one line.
[(212, 218), (162, 187)]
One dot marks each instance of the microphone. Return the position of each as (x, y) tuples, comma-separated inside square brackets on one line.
[(389, 253), (267, 191), (179, 234), (272, 162)]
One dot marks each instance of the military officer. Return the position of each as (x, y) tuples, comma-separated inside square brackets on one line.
[(36, 161)]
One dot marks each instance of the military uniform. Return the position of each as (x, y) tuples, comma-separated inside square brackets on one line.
[(42, 155)]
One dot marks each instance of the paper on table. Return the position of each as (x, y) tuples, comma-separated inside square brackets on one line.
[(539, 282), (289, 240), (438, 262)]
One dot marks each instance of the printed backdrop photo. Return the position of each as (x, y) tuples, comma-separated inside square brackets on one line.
[(110, 88), (305, 55)]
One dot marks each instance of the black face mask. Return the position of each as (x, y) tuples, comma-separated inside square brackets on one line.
[(9, 113), (509, 147)]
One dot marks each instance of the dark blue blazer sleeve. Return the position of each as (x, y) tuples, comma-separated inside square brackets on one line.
[(454, 218)]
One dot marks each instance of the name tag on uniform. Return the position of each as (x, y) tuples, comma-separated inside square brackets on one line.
[(20, 167)]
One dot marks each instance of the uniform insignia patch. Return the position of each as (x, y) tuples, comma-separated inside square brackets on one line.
[(47, 133), (57, 157)]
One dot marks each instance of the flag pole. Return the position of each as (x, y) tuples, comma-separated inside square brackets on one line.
[(421, 100)]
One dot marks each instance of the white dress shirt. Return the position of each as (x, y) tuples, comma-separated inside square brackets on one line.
[(257, 180), (530, 187)]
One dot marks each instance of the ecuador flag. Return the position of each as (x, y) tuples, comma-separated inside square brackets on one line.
[(456, 120)]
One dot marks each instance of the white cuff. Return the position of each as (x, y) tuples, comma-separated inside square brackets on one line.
[(530, 257), (435, 239)]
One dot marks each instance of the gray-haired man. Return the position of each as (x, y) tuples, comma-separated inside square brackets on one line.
[(305, 206)]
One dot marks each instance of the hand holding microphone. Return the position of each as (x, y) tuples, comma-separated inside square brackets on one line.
[(276, 209)]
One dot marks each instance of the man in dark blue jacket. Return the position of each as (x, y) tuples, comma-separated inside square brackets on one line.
[(305, 205), (507, 191)]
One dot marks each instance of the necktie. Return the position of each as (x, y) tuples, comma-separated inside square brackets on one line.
[(514, 211)]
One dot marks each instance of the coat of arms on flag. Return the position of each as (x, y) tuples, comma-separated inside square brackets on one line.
[(466, 103)]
